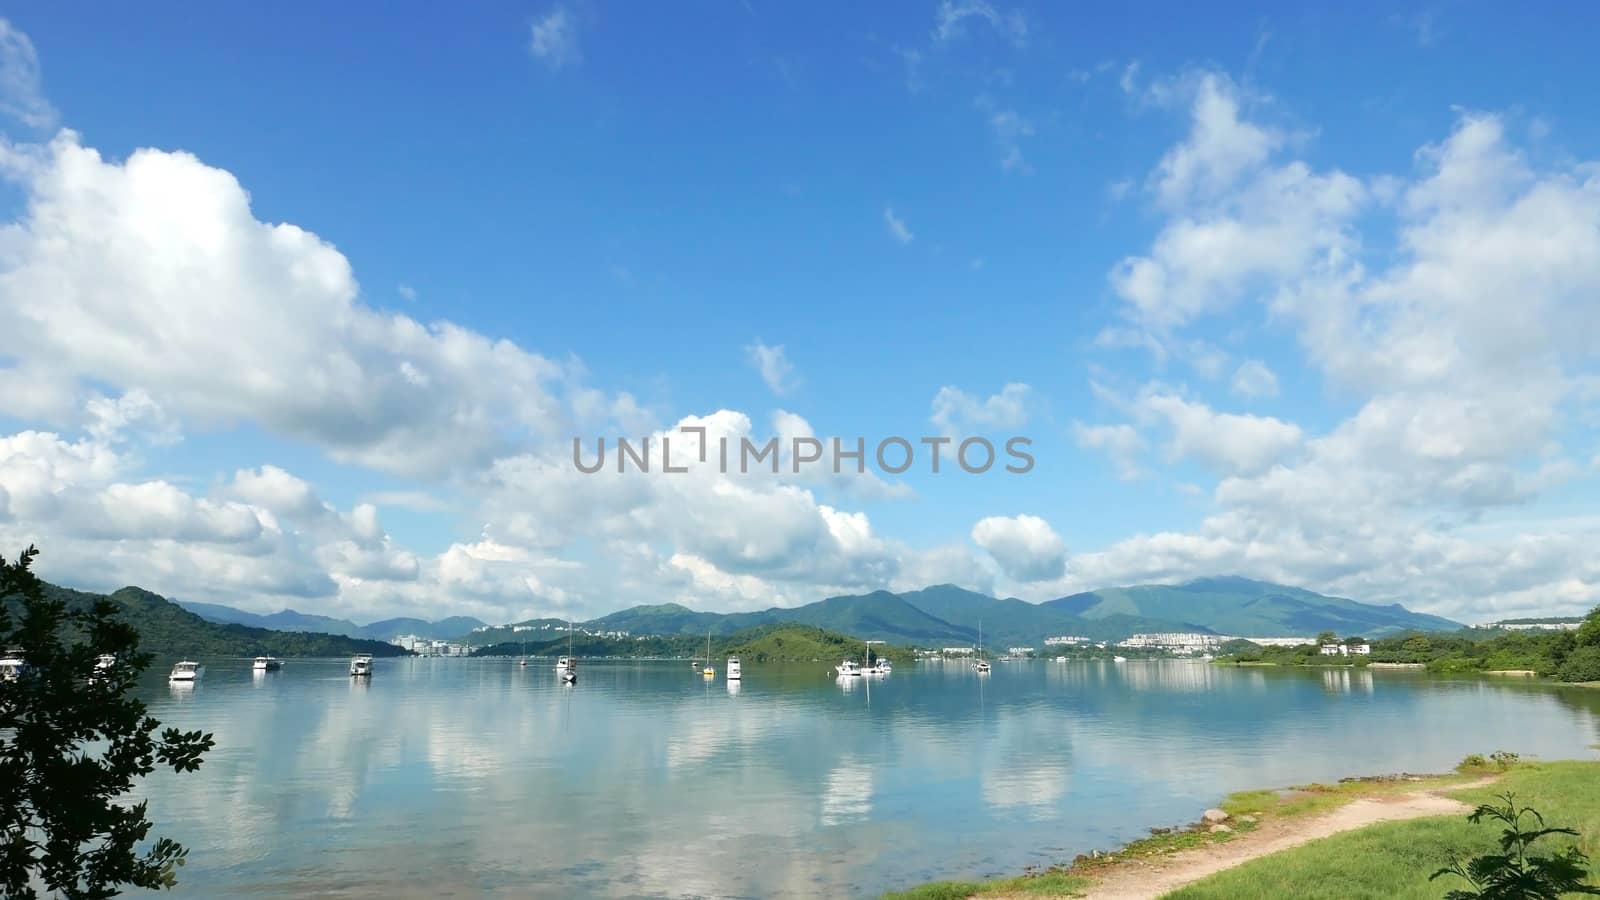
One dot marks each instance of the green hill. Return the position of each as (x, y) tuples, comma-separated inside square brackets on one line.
[(1247, 608), (778, 642), (797, 643), (167, 629)]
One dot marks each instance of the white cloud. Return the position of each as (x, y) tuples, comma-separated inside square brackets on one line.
[(1026, 547), (553, 39), (953, 15), (1009, 128), (1447, 304), (1122, 443), (153, 275), (1221, 145), (21, 96), (1254, 379), (1224, 442), (406, 292), (773, 364), (897, 226), (957, 412)]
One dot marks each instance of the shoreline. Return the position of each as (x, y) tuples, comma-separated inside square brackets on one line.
[(1246, 826)]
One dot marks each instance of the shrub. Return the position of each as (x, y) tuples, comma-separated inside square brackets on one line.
[(1582, 664), (1505, 759), (1515, 873), (1471, 762)]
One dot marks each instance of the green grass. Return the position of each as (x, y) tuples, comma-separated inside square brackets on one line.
[(1053, 883), (1394, 860), (1388, 860)]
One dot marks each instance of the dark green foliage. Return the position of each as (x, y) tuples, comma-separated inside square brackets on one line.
[(72, 742), (1568, 655), (1515, 873), (765, 643), (1583, 664), (167, 629)]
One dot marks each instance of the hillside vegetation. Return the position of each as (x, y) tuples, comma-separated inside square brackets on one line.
[(764, 643), (167, 629), (1566, 655)]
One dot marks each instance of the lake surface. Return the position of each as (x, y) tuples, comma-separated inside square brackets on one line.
[(474, 777)]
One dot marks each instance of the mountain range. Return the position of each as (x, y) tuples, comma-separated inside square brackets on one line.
[(167, 629), (291, 620), (947, 614), (942, 615)]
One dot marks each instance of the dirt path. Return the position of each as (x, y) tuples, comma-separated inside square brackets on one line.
[(1147, 879)]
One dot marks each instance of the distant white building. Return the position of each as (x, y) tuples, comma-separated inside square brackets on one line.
[(1065, 640), (1532, 626), (1019, 651), (1180, 641), (1346, 650), (1279, 641), (958, 651)]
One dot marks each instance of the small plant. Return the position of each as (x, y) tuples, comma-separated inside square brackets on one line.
[(1472, 761), (1504, 759), (1514, 873)]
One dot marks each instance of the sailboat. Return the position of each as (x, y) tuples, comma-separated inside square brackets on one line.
[(709, 671), (523, 663), (568, 665), (982, 665)]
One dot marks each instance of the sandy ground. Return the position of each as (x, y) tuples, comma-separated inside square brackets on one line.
[(1144, 879)]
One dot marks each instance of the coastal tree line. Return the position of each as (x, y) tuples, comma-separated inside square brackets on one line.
[(1572, 656)]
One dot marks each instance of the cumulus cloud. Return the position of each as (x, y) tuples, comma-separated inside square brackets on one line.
[(153, 273), (1225, 442), (1254, 379), (957, 412), (1399, 289), (1026, 547), (1122, 443)]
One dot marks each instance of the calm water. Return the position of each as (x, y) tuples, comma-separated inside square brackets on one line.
[(477, 778)]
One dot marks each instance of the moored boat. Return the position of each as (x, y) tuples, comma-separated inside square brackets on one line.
[(186, 671), (848, 668), (13, 665), (267, 664), (734, 672), (361, 666)]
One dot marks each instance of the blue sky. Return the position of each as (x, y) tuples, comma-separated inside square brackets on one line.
[(1243, 277)]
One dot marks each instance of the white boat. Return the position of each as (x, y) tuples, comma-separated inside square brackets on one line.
[(267, 664), (981, 665), (848, 668), (881, 667), (105, 662), (13, 665), (709, 671), (186, 671), (568, 665), (733, 669), (1119, 659), (361, 666)]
